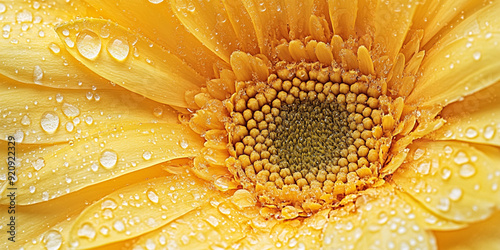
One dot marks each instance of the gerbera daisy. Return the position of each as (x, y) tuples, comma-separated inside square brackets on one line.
[(249, 124)]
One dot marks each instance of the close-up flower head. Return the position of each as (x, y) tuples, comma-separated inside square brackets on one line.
[(249, 124)]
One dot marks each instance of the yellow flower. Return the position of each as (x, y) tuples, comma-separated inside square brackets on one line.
[(249, 124)]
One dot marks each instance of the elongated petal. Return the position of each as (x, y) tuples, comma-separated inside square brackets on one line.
[(298, 13), (112, 152), (207, 21), (462, 62), (31, 51), (381, 221), (138, 209), (242, 25), (343, 16), (35, 114), (392, 22), (482, 235), (455, 180), (475, 119), (264, 13), (129, 60), (158, 23), (434, 17), (41, 220)]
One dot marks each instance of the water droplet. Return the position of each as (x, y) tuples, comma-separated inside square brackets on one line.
[(382, 218), (88, 44), (37, 74), (184, 144), (467, 170), (152, 196), (45, 196), (118, 48), (461, 158), (455, 194), (476, 55), (65, 32), (70, 126), (24, 16), (158, 111), (54, 48), (32, 189), (70, 110), (108, 159), (489, 132), (445, 173), (52, 240), (104, 230), (424, 168), (119, 226), (89, 120), (41, 33), (418, 153), (87, 231), (444, 204), (19, 135), (104, 31), (471, 133), (68, 180), (49, 122), (146, 155), (59, 98), (108, 203), (155, 1), (69, 42), (38, 164), (94, 167), (26, 121), (2, 8)]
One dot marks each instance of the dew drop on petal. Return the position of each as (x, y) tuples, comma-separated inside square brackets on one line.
[(87, 231), (152, 196), (155, 1), (24, 16), (184, 144), (70, 110), (146, 155), (108, 158), (489, 132), (32, 189), (2, 8), (70, 126), (476, 55), (444, 204), (52, 240), (445, 173), (49, 122), (108, 203), (69, 42), (54, 48), (118, 48), (104, 230), (94, 167), (119, 226), (471, 133), (461, 158), (37, 74), (65, 32), (455, 194), (45, 196), (26, 121), (88, 44), (38, 164), (19, 135), (467, 170), (158, 111), (59, 98)]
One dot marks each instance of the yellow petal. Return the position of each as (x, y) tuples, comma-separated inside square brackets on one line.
[(434, 17), (129, 60), (242, 25), (208, 227), (343, 16), (464, 61), (137, 209), (31, 51), (482, 235), (392, 22), (475, 119), (207, 21), (73, 113), (455, 180), (298, 13), (381, 220), (59, 169), (157, 22), (269, 22), (38, 220)]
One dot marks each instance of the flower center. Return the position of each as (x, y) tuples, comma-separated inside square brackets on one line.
[(308, 134)]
